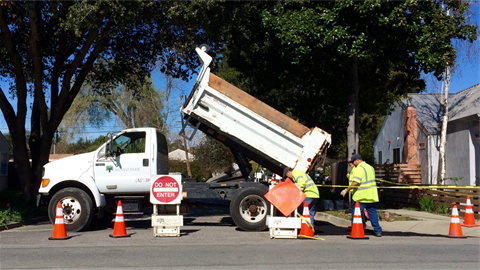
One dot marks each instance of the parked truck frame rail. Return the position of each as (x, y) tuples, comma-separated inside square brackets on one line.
[(89, 185)]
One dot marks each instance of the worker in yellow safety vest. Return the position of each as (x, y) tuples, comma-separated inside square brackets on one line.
[(364, 190), (306, 184)]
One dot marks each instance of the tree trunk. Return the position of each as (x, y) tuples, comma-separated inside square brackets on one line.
[(442, 161), (22, 160), (352, 129), (185, 143)]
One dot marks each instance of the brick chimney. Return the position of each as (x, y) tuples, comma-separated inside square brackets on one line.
[(410, 136)]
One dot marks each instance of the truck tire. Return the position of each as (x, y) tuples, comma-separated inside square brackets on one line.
[(77, 208), (249, 209)]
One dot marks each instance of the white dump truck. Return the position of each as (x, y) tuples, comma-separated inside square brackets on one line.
[(89, 185)]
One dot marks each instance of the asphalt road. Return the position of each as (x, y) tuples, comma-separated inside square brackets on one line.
[(210, 240)]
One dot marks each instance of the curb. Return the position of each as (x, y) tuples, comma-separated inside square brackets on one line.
[(336, 221), (10, 226), (20, 224), (332, 219)]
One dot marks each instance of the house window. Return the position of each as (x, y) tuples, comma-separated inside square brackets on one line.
[(3, 163), (396, 155), (380, 161), (421, 146)]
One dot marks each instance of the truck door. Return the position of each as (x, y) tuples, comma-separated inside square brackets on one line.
[(129, 169)]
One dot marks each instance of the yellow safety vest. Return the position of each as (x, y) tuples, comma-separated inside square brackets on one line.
[(305, 183), (367, 190)]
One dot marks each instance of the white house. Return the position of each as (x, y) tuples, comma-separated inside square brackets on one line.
[(463, 136), (180, 155), (4, 157)]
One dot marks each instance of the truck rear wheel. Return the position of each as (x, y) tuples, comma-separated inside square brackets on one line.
[(249, 209), (77, 208)]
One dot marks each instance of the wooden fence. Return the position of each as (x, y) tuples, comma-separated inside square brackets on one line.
[(399, 173), (398, 198), (459, 196)]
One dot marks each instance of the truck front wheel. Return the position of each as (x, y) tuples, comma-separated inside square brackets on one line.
[(77, 208), (249, 209)]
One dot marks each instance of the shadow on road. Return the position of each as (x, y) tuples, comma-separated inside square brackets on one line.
[(325, 228)]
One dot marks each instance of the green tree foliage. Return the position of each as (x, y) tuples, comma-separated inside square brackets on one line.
[(407, 37), (81, 145), (212, 156), (318, 59), (49, 48), (181, 167)]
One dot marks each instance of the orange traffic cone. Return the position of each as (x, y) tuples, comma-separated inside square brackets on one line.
[(59, 230), (273, 179), (357, 226), (119, 229), (469, 220), (455, 228), (306, 231)]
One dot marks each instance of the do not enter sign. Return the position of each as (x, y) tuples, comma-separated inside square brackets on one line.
[(165, 190)]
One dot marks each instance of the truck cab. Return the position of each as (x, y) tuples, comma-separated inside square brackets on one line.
[(88, 185)]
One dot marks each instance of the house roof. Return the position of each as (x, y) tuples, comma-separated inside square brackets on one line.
[(429, 111), (2, 138), (179, 155), (465, 103)]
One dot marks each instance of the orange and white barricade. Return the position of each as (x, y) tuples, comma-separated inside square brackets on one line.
[(285, 226)]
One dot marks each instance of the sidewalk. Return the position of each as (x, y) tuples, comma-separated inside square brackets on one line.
[(427, 224)]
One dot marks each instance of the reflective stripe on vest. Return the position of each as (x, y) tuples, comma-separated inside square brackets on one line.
[(306, 184)]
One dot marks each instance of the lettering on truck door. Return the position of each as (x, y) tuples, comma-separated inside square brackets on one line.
[(128, 170)]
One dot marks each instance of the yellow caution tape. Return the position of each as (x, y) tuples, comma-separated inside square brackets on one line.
[(307, 221), (309, 237), (438, 186), (309, 224), (407, 186)]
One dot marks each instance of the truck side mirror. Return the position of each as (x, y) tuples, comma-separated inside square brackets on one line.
[(110, 145)]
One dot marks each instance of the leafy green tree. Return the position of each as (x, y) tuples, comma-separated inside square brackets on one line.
[(181, 166), (81, 145), (318, 59), (49, 48), (212, 156)]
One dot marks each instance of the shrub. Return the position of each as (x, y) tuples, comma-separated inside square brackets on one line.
[(427, 204), (14, 209), (442, 208), (9, 215)]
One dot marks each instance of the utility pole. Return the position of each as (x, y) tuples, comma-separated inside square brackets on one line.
[(185, 141)]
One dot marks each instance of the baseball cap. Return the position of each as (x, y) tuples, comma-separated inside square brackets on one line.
[(285, 170), (354, 157)]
